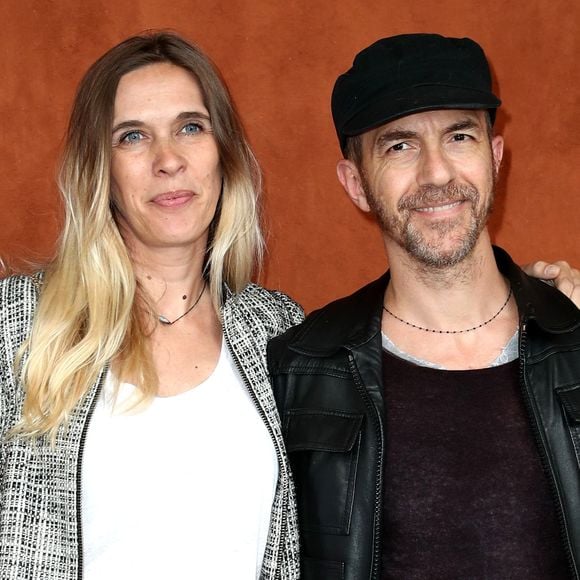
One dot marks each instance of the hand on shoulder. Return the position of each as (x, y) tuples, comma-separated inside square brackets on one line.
[(564, 277)]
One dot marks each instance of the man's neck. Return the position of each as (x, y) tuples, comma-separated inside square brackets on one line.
[(439, 309), (428, 290)]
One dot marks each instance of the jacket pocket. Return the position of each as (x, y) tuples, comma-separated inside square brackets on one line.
[(570, 399), (323, 447), (313, 569)]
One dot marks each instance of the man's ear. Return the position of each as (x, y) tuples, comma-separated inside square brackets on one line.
[(497, 151), (350, 178)]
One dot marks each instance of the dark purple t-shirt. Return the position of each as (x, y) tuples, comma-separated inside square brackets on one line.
[(465, 493)]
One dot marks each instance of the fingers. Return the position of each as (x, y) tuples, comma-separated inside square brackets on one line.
[(565, 277), (541, 269), (568, 282)]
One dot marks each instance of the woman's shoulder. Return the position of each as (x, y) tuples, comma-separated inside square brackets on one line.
[(266, 304), (20, 289), (269, 298), (18, 300)]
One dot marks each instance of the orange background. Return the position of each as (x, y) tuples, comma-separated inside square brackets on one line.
[(280, 60)]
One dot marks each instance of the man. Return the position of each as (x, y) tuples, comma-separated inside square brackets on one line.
[(433, 417)]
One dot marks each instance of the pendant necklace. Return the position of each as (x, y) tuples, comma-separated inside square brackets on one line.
[(164, 320)]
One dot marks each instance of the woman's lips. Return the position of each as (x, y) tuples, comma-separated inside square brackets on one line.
[(173, 198)]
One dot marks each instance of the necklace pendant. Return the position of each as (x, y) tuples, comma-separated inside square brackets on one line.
[(167, 322)]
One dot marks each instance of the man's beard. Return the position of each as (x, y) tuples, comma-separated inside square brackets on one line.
[(430, 251)]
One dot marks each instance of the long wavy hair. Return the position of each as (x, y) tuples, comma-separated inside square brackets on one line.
[(90, 310)]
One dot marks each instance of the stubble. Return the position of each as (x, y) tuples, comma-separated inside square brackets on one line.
[(447, 242)]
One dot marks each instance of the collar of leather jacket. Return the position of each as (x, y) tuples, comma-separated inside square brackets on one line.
[(354, 320)]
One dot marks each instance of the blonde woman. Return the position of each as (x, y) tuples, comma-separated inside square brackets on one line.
[(139, 434)]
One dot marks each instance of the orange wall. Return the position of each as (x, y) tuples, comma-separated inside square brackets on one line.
[(280, 60)]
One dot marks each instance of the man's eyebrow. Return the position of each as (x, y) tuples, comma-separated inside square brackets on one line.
[(463, 125), (395, 135), (186, 115)]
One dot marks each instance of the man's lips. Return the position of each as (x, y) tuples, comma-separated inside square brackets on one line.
[(439, 207), (173, 198)]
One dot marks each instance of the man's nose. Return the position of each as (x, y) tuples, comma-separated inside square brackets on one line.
[(435, 167)]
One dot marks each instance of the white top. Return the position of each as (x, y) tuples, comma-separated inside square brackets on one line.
[(182, 489)]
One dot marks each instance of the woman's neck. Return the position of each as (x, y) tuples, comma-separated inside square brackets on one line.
[(172, 278)]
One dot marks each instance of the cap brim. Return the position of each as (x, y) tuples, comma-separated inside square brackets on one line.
[(391, 106)]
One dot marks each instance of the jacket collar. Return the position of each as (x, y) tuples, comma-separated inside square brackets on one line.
[(348, 322), (355, 320), (551, 310)]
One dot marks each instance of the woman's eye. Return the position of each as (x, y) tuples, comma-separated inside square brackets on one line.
[(192, 129), (131, 137)]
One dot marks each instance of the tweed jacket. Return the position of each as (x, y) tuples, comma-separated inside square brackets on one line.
[(40, 512)]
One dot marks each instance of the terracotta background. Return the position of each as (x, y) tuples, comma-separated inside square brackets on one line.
[(280, 59)]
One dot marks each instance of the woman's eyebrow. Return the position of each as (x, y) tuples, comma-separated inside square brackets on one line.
[(127, 124), (192, 115)]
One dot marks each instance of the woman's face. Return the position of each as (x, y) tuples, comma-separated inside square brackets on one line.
[(165, 172)]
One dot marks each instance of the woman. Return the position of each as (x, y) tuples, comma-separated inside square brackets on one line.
[(140, 437)]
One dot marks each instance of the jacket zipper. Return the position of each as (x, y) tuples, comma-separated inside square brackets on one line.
[(378, 479), (79, 470), (544, 457), (277, 571)]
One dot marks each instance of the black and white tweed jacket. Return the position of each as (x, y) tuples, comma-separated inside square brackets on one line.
[(40, 521)]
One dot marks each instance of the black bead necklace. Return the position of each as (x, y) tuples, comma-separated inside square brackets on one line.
[(453, 331)]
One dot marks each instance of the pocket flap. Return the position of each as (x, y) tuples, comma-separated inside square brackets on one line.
[(570, 398), (313, 430), (316, 569)]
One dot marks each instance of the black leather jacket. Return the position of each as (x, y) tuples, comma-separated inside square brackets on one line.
[(326, 376)]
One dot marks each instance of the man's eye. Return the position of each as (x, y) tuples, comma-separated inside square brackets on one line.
[(461, 137), (131, 137), (399, 147)]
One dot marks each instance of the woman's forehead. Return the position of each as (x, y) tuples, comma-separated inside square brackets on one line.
[(157, 89)]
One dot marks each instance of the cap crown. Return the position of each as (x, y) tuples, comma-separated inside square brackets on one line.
[(409, 73)]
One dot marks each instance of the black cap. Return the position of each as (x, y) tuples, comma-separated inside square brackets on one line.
[(409, 73)]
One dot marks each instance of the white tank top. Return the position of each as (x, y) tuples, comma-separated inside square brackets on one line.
[(182, 489)]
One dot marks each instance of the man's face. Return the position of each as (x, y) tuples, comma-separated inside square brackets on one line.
[(429, 179)]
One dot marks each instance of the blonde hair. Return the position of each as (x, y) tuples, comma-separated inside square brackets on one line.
[(90, 307)]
